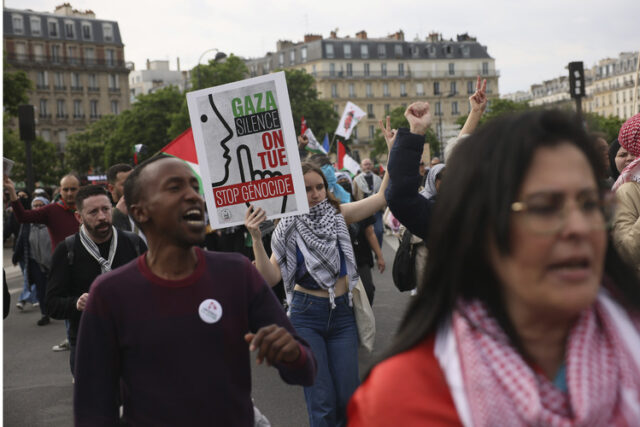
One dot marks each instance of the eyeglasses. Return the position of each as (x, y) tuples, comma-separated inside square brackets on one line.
[(547, 212)]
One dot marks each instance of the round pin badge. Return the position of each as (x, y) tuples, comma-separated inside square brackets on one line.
[(210, 311)]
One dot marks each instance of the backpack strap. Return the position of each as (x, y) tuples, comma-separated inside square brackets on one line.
[(69, 242)]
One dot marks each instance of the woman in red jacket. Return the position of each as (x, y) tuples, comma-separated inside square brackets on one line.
[(527, 315)]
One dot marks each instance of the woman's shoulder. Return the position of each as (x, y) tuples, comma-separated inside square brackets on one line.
[(409, 388)]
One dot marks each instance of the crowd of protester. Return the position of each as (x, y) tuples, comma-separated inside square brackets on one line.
[(526, 310)]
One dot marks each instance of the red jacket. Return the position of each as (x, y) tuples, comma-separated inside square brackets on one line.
[(59, 221), (408, 389)]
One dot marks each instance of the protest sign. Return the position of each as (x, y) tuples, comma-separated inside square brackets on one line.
[(247, 149)]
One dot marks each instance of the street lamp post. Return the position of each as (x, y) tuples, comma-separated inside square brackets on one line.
[(440, 113), (218, 56)]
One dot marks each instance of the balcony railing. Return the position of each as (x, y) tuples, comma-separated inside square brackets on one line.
[(62, 116), (93, 89), (60, 87), (44, 116), (114, 90), (78, 116), (42, 87), (74, 61), (357, 74), (77, 88)]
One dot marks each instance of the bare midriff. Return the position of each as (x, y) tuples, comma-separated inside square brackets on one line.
[(341, 288)]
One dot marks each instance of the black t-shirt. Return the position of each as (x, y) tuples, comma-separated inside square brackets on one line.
[(361, 247)]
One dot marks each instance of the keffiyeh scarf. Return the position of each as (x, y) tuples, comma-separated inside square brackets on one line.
[(318, 235), (429, 189), (92, 248), (602, 372)]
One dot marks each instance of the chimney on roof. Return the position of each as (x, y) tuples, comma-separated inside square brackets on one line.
[(362, 35), (312, 37), (334, 34), (148, 64), (434, 37), (465, 38), (399, 35), (283, 44)]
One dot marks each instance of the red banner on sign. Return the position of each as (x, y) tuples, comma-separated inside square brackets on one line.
[(268, 188)]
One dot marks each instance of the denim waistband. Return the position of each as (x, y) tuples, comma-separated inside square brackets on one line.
[(344, 298)]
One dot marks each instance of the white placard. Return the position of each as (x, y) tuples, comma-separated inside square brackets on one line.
[(247, 149)]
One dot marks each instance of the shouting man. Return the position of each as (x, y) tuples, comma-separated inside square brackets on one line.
[(215, 305)]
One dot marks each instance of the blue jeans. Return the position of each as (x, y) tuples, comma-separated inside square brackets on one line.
[(333, 337), (28, 289)]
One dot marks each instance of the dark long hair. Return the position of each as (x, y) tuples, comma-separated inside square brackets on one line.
[(484, 177), (310, 167)]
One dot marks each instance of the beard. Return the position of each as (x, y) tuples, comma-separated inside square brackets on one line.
[(101, 231)]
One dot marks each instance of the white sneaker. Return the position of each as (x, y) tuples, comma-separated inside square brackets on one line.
[(20, 305), (63, 346), (36, 304)]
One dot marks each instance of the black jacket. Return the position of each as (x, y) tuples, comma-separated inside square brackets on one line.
[(67, 282)]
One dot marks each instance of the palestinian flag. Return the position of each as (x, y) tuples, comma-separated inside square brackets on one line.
[(184, 148)]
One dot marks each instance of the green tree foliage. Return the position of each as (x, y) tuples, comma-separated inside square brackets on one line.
[(44, 156), (398, 120), (610, 126), (215, 73), (16, 84), (303, 96), (498, 107), (85, 150)]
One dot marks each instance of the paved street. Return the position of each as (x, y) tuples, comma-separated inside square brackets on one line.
[(37, 382)]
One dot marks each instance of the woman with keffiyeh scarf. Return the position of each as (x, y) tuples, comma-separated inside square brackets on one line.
[(312, 254)]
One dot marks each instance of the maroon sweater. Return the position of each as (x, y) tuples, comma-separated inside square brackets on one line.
[(59, 221), (175, 368)]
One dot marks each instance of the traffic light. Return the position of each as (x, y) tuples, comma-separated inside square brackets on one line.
[(576, 80)]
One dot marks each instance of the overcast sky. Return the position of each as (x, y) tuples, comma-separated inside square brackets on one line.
[(531, 41)]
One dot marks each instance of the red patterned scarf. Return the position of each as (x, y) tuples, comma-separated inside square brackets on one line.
[(602, 378)]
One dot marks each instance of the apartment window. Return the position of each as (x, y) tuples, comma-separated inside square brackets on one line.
[(113, 82), (453, 88), (382, 50), (485, 68), (110, 56), (352, 90), (93, 108), (335, 107), (355, 133), (58, 81), (452, 68), (328, 50), (347, 51), (77, 109), (75, 81), (92, 82), (62, 136), (401, 69), (366, 70), (21, 51), (72, 55), (438, 109), (89, 56), (369, 90), (281, 59), (107, 32), (397, 50), (86, 31), (313, 70), (370, 111), (114, 107), (18, 24), (387, 108), (292, 57), (432, 50), (332, 69), (364, 51), (385, 89), (419, 89), (334, 90), (349, 69), (36, 30), (303, 53), (372, 131), (470, 88), (61, 108), (55, 54), (69, 29), (466, 51), (46, 135), (415, 51), (436, 88), (38, 52), (42, 80), (454, 108), (383, 69), (53, 28), (448, 50), (43, 108), (403, 89)]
